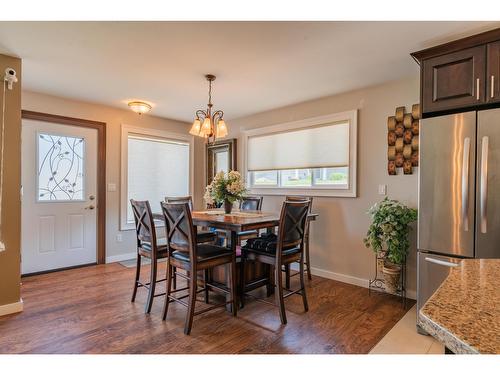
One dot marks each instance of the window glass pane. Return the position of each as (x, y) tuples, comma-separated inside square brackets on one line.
[(156, 169), (222, 161), (265, 178), (331, 176), (296, 177), (60, 168)]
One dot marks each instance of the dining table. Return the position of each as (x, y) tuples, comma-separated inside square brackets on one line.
[(235, 222)]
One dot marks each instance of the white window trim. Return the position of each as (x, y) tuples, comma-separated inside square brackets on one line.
[(125, 131), (326, 191)]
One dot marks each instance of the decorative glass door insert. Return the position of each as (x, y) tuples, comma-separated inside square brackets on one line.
[(60, 168)]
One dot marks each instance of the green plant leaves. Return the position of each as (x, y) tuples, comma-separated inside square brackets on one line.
[(390, 229)]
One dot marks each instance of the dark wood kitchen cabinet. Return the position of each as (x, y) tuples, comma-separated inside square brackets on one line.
[(493, 72), (460, 75), (454, 80)]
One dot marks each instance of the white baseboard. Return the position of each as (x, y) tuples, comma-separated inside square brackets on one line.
[(348, 279), (121, 257), (11, 308)]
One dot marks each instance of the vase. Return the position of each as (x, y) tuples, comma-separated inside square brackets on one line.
[(228, 206), (392, 273)]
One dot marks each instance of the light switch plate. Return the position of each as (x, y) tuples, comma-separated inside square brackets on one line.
[(119, 237), (111, 187), (382, 189)]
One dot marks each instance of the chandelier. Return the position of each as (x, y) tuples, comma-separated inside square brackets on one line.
[(207, 124)]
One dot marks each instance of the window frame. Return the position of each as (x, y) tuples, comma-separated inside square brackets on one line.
[(126, 130), (314, 190)]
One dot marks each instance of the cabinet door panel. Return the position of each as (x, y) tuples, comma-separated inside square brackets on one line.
[(454, 80), (493, 73)]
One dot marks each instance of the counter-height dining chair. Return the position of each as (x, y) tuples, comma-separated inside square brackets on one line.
[(307, 262), (249, 204), (148, 247), (186, 253), (281, 250), (203, 236)]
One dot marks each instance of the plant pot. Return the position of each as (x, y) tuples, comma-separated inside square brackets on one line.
[(392, 273), (228, 206)]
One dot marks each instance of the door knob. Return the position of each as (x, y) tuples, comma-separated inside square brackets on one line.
[(91, 207), (91, 197)]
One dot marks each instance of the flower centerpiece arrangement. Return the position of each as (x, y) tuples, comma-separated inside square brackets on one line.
[(225, 188), (388, 237)]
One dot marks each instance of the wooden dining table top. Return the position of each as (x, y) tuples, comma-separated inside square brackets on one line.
[(237, 221)]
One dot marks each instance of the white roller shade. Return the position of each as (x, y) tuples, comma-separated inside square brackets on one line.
[(314, 147)]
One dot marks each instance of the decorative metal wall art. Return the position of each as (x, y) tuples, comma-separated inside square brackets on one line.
[(402, 140)]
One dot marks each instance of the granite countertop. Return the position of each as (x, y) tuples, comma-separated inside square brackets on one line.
[(464, 313)]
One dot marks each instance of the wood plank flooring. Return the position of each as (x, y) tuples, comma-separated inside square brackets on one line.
[(88, 310)]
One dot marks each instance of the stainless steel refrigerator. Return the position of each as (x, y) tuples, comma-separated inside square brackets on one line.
[(459, 194)]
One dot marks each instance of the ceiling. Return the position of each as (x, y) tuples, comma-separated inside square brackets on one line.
[(259, 65)]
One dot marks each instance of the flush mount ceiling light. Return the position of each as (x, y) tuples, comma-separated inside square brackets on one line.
[(139, 107), (208, 125)]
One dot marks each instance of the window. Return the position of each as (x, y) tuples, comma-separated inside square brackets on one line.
[(60, 168), (155, 164), (314, 156)]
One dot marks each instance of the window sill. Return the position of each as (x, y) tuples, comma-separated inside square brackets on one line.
[(313, 192)]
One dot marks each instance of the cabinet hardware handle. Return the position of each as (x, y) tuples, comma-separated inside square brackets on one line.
[(441, 262), (492, 86), (465, 185), (477, 88), (484, 183)]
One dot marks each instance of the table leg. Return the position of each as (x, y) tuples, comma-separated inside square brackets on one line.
[(233, 241)]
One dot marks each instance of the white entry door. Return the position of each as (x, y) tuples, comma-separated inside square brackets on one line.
[(59, 179)]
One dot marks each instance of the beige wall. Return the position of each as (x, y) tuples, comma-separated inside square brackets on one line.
[(114, 117), (11, 204), (337, 237)]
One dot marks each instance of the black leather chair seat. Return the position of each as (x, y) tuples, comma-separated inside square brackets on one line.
[(293, 250), (205, 236), (266, 244), (205, 252), (147, 247), (248, 233)]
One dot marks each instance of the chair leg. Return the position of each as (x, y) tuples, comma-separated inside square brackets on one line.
[(169, 288), (303, 284), (279, 293), (270, 284), (191, 303), (232, 278), (308, 259), (206, 275), (242, 282), (287, 276), (174, 277), (152, 286), (137, 275)]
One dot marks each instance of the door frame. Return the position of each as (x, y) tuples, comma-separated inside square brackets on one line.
[(101, 167)]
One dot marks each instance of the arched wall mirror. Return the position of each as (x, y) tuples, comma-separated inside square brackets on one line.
[(221, 156)]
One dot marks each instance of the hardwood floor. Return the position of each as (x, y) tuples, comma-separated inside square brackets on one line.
[(88, 310)]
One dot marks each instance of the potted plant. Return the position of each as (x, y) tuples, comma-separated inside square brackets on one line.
[(225, 188), (388, 237)]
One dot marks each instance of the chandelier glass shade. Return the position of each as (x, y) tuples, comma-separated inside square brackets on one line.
[(208, 125)]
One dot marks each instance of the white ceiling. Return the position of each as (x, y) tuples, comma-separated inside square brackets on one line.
[(259, 65)]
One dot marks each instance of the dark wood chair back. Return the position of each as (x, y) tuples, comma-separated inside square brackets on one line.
[(292, 224), (188, 199), (180, 232), (144, 224), (295, 198), (251, 203)]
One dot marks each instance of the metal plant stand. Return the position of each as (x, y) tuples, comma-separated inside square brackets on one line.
[(378, 284)]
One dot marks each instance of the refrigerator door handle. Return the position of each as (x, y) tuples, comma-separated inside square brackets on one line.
[(465, 184), (441, 262), (484, 183)]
